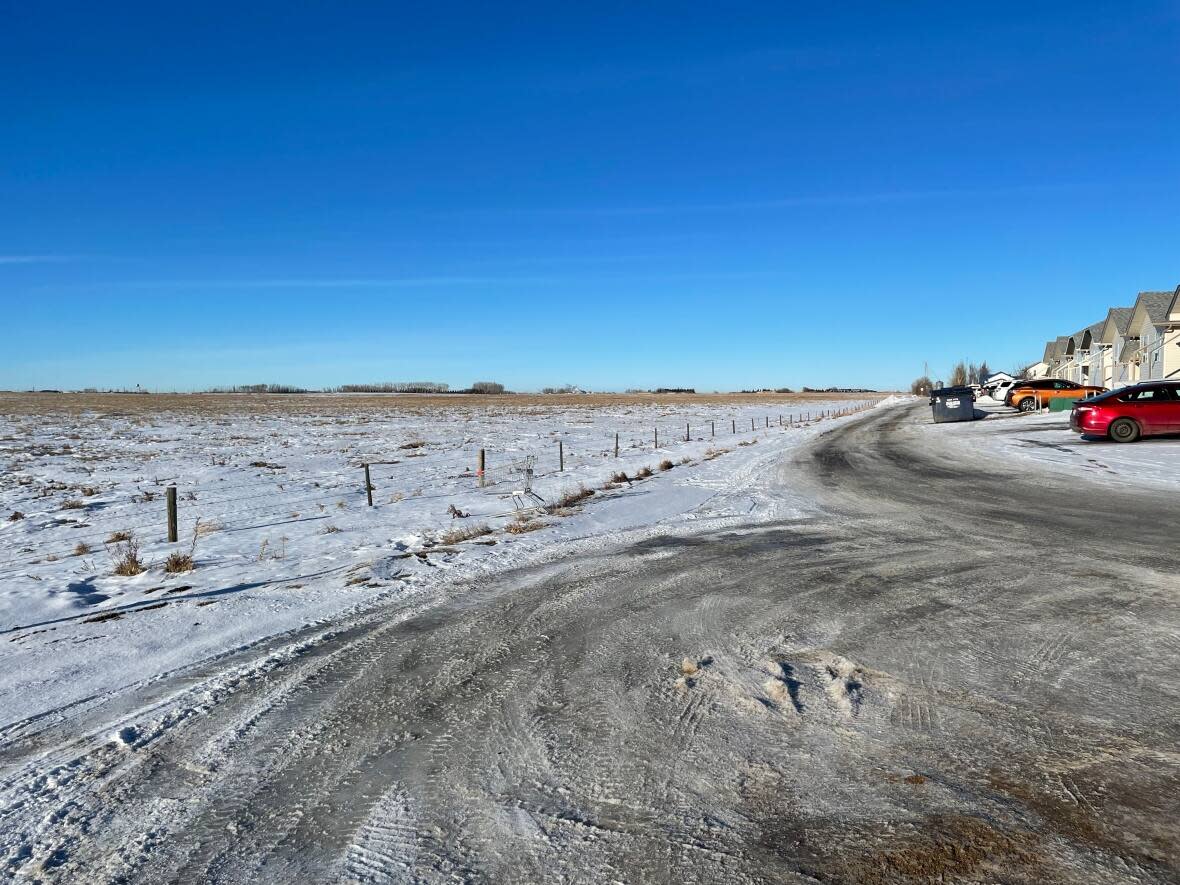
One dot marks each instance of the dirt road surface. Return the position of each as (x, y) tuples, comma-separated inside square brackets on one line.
[(868, 694)]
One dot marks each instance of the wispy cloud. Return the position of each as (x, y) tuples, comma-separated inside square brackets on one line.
[(795, 202), (36, 259), (323, 282), (377, 283)]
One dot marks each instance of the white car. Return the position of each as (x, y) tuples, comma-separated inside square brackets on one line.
[(999, 390)]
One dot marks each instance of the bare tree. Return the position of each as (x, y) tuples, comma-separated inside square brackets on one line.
[(921, 386), (959, 375)]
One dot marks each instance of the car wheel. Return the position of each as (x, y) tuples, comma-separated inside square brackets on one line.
[(1124, 430), (1028, 404)]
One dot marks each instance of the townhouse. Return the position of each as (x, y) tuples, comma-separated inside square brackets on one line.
[(1131, 344)]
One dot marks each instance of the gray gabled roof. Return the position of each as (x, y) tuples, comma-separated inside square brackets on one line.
[(1129, 349), (1091, 332), (1121, 317), (1049, 353), (1059, 347), (1156, 305)]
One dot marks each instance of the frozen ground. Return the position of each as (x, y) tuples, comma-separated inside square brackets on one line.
[(286, 538), (872, 656), (1046, 439)]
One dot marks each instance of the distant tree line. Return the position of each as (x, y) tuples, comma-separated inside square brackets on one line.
[(962, 375), (393, 387), (837, 390), (259, 388), (484, 387)]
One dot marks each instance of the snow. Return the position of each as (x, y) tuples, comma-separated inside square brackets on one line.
[(1044, 441), (274, 508)]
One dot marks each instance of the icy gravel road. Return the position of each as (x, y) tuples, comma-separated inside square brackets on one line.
[(864, 695)]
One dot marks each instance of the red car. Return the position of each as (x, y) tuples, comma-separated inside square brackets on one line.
[(1126, 414)]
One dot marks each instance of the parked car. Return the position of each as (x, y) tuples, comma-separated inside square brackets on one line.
[(1126, 414), (1028, 394), (999, 390)]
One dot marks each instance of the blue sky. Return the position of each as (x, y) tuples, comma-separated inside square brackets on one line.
[(613, 195)]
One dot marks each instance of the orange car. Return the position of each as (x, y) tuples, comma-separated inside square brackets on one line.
[(1027, 395)]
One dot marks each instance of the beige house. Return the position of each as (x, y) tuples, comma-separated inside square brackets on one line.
[(1131, 344), (1055, 356), (1109, 366), (1079, 355), (1155, 321)]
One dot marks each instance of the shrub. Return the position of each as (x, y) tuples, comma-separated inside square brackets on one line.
[(16, 516), (620, 477), (178, 562), (126, 556), (643, 473), (466, 533), (81, 548), (666, 464), (522, 525), (569, 498)]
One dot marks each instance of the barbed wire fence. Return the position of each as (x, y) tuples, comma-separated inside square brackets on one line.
[(465, 467)]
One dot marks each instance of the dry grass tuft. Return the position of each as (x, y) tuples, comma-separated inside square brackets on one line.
[(710, 454), (466, 533), (568, 499), (666, 464), (330, 530), (207, 528), (126, 556), (644, 473), (523, 525), (16, 516), (413, 444), (178, 562), (73, 504), (81, 548), (88, 491), (119, 537), (620, 477)]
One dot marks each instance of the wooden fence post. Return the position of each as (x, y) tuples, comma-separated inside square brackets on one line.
[(368, 485), (734, 427), (171, 497), (560, 457), (656, 430), (616, 444), (687, 435), (479, 470), (768, 422), (751, 425)]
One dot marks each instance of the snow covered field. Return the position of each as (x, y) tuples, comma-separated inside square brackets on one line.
[(274, 507)]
